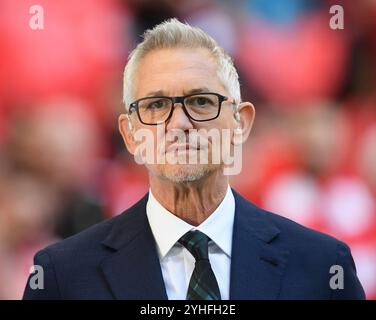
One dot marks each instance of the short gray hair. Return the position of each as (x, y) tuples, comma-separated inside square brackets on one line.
[(175, 34)]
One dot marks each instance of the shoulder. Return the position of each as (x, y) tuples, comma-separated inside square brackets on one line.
[(311, 254), (90, 242), (88, 239), (71, 267), (295, 233), (291, 234)]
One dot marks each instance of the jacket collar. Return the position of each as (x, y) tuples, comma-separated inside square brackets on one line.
[(133, 270), (257, 263)]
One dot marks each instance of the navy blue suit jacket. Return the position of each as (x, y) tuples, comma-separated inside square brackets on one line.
[(272, 258)]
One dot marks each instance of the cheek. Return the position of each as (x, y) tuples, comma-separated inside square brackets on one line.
[(228, 119), (224, 124)]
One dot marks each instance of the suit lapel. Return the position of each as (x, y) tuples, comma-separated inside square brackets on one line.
[(257, 264), (133, 270)]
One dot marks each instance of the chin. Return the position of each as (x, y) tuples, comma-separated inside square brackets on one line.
[(184, 172)]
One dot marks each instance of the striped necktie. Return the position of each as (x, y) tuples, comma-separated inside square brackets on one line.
[(203, 284)]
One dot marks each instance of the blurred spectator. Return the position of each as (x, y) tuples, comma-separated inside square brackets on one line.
[(27, 207), (294, 63), (367, 158), (60, 144)]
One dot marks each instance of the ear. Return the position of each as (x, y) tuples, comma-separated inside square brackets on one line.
[(246, 116), (126, 129)]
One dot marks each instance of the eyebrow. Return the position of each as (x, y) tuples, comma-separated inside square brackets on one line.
[(163, 93), (155, 93), (197, 90)]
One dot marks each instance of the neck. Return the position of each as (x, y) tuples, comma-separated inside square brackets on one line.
[(194, 201)]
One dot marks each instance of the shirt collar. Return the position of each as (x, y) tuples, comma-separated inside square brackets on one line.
[(167, 228)]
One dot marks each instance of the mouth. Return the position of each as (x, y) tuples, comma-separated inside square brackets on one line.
[(184, 147)]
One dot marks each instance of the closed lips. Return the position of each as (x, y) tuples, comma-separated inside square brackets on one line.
[(181, 147)]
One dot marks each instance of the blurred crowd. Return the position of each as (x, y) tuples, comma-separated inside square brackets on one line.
[(311, 156)]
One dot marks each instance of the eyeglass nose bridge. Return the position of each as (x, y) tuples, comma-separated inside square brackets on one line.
[(175, 100)]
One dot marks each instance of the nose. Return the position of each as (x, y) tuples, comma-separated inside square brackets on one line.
[(179, 120)]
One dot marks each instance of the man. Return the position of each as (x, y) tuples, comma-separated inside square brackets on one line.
[(191, 236)]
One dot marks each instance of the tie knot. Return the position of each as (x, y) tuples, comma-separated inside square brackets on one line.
[(196, 243)]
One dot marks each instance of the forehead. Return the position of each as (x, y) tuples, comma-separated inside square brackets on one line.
[(175, 71)]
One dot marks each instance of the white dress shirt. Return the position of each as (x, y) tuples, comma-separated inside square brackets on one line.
[(177, 263)]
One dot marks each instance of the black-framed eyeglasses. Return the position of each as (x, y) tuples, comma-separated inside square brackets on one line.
[(200, 107)]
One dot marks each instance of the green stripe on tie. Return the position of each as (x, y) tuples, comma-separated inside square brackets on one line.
[(203, 285)]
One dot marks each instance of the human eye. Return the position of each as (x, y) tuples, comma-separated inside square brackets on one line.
[(156, 104), (201, 100)]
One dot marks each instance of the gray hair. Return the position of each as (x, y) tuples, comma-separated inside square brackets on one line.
[(174, 34)]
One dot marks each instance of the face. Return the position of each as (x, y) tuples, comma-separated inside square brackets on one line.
[(178, 72)]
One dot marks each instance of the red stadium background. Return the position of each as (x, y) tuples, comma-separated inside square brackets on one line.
[(311, 156)]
